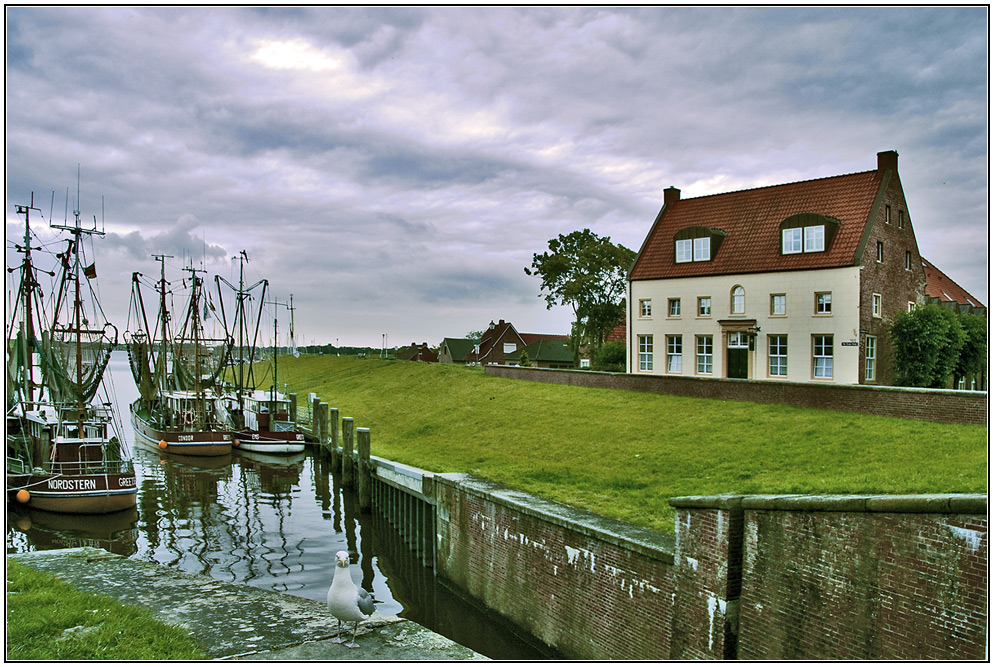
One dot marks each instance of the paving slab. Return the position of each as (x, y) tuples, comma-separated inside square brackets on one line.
[(238, 621)]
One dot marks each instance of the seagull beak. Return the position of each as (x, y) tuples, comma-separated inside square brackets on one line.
[(343, 560)]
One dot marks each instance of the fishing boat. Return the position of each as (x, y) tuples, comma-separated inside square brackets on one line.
[(65, 450), (178, 409), (263, 417)]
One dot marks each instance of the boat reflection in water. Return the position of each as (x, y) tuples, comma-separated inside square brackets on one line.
[(274, 522)]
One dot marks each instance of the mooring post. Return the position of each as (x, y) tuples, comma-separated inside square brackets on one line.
[(333, 445), (315, 426), (293, 408), (348, 433), (365, 471), (323, 422)]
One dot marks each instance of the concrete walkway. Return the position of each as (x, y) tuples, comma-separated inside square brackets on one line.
[(237, 621)]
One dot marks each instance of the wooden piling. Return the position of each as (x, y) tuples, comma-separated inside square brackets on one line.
[(314, 403), (365, 471), (336, 461), (348, 434), (293, 407), (323, 426)]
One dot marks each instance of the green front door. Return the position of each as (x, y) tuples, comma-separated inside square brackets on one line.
[(738, 355)]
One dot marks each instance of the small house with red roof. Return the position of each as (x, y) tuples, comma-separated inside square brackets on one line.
[(941, 289), (502, 344), (793, 282)]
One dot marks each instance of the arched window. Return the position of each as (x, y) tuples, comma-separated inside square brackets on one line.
[(738, 300)]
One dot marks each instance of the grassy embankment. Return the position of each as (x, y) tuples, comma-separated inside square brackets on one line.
[(623, 454), (40, 608)]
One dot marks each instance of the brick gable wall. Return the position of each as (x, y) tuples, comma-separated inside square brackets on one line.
[(896, 285)]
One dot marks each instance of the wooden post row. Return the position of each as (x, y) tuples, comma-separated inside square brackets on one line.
[(348, 434), (365, 472)]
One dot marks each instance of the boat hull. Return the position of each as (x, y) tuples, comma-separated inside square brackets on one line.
[(74, 494), (189, 443), (269, 442)]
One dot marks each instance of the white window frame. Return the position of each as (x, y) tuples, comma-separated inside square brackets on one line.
[(871, 359), (704, 306), (705, 355), (773, 305), (814, 238), (674, 354), (645, 307), (880, 252), (673, 308), (823, 303), (684, 250), (792, 242), (907, 260), (887, 214), (738, 300), (877, 305), (823, 356), (702, 249), (645, 352), (777, 355), (510, 348)]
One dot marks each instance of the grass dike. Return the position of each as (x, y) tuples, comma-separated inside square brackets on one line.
[(623, 454)]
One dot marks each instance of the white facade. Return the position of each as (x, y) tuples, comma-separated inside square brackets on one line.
[(799, 326)]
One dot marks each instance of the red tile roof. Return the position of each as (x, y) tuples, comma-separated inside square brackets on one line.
[(942, 287), (751, 221)]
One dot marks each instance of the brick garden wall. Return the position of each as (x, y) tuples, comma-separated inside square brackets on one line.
[(746, 577), (942, 405)]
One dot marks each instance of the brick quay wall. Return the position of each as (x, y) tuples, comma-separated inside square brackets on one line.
[(861, 577)]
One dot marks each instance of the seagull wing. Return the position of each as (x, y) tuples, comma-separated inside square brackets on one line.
[(365, 600)]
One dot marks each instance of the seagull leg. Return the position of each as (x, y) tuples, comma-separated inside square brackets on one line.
[(355, 630), (338, 638)]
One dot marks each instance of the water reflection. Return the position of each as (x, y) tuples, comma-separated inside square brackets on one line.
[(272, 522)]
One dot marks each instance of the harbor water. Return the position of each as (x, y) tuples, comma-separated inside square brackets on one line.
[(274, 522)]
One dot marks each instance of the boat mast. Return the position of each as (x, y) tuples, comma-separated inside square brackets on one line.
[(276, 338), (164, 318), (240, 320), (27, 288), (72, 272)]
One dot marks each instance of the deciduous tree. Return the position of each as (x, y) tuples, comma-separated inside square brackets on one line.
[(588, 273), (927, 343)]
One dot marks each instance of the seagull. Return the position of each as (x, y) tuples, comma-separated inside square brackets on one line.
[(346, 601)]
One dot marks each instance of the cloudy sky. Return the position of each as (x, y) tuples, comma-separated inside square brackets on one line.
[(395, 168)]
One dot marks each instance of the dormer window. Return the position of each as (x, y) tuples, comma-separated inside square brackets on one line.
[(697, 244), (806, 232)]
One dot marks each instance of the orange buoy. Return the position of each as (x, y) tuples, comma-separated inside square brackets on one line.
[(236, 443), (23, 496), (163, 444)]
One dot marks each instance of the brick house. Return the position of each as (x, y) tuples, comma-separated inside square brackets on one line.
[(790, 282), (457, 351), (942, 290), (502, 344), (415, 352)]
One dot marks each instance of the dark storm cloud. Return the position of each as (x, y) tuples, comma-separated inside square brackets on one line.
[(395, 168)]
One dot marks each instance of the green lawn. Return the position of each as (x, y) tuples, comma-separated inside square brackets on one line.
[(624, 454), (47, 619)]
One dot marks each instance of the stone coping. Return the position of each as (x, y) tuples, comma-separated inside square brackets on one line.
[(951, 503), (239, 621), (648, 542)]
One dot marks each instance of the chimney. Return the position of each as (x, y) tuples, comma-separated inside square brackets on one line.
[(887, 161), (670, 195)]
